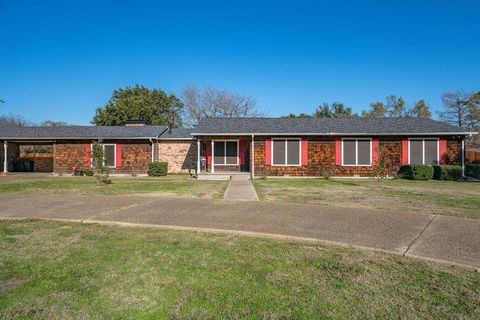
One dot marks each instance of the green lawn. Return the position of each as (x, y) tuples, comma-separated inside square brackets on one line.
[(176, 185), (57, 270), (438, 197)]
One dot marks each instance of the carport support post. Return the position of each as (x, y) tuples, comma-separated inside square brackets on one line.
[(198, 156), (213, 158), (5, 161)]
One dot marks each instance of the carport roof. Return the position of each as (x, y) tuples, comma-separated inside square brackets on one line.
[(325, 126), (81, 132)]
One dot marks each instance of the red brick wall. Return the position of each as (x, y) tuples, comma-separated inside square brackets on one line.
[(321, 158), (135, 156)]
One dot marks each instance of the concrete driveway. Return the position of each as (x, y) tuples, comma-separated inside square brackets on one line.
[(447, 239)]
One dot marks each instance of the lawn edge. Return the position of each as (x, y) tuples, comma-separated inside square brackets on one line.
[(252, 234)]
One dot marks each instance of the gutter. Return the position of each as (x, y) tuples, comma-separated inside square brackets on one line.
[(336, 134)]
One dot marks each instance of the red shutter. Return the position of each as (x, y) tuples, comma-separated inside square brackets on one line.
[(88, 148), (209, 152), (241, 152), (268, 152), (375, 145), (118, 156), (338, 152), (404, 151), (304, 152), (443, 151)]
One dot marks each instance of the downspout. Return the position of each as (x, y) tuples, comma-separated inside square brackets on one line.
[(153, 149), (252, 169), (5, 159)]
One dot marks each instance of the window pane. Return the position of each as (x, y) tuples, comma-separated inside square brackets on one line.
[(219, 152), (278, 151), (363, 152), (349, 151), (416, 151), (231, 152), (293, 152), (110, 155), (431, 152)]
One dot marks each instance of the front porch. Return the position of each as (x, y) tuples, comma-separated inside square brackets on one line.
[(223, 156)]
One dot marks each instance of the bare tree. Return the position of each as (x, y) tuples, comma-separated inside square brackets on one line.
[(215, 103), (383, 165), (13, 121), (459, 108)]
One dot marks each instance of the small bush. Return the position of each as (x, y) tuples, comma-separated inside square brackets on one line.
[(157, 169), (472, 170), (450, 173), (416, 172), (88, 172)]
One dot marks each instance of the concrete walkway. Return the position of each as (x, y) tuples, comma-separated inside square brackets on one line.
[(447, 239), (240, 188)]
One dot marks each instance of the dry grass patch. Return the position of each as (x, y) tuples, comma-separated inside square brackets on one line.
[(430, 197)]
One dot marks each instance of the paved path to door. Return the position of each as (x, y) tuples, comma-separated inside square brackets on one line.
[(240, 188), (448, 239)]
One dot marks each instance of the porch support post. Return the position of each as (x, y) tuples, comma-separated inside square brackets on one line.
[(5, 153), (198, 157), (463, 157), (213, 158), (252, 162)]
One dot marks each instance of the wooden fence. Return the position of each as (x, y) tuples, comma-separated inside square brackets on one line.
[(472, 156)]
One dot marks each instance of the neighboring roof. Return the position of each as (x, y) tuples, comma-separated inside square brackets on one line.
[(177, 134), (324, 126), (82, 132)]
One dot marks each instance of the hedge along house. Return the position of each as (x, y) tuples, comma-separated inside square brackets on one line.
[(128, 149), (317, 147)]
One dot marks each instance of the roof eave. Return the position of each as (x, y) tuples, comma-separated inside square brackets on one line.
[(334, 134)]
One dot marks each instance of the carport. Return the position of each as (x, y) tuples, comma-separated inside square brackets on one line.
[(27, 156)]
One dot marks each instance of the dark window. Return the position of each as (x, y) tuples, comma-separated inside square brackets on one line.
[(349, 152), (231, 156), (357, 152), (286, 152), (424, 151), (219, 152), (416, 151), (278, 152), (293, 152), (225, 152), (109, 150), (363, 152), (431, 152)]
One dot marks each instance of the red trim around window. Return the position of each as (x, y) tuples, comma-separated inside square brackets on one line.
[(268, 152), (304, 152), (209, 152), (404, 151), (118, 156), (443, 151), (375, 145), (338, 152), (241, 152), (88, 148)]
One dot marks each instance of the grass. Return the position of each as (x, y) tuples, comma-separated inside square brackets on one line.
[(176, 185), (437, 197), (52, 270)]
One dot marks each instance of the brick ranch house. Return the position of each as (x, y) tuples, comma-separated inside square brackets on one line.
[(255, 146)]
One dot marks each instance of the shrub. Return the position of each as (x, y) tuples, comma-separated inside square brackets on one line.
[(450, 173), (416, 172), (472, 170), (88, 172), (157, 169)]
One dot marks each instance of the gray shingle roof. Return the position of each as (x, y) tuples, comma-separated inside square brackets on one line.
[(358, 126), (177, 134), (81, 132)]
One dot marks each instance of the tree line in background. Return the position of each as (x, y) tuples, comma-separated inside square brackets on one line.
[(156, 107)]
